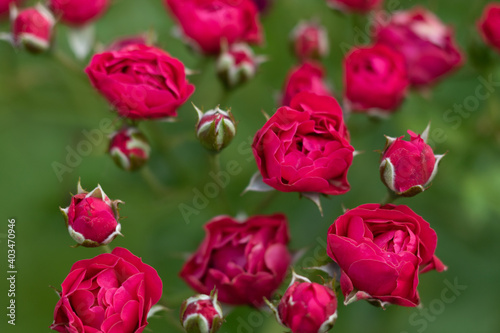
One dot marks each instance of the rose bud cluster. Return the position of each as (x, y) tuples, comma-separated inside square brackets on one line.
[(237, 64), (78, 12), (489, 25), (129, 148), (309, 40), (201, 314), (307, 77), (381, 251), (5, 7), (140, 81), (215, 128), (32, 28), (208, 24), (112, 292), (245, 261), (305, 147), (92, 218), (307, 307), (375, 80), (408, 167), (427, 45), (360, 6)]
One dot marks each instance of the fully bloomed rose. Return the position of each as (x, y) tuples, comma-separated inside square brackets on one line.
[(426, 43), (375, 79), (308, 77), (110, 293), (361, 6), (140, 81), (245, 261), (489, 25), (208, 23), (305, 147), (381, 251), (78, 12)]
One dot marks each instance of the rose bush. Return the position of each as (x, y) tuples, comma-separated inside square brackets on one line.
[(140, 81), (111, 293), (305, 147), (381, 251), (244, 261)]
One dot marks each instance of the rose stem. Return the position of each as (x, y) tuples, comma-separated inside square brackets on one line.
[(389, 198), (216, 169), (266, 202), (153, 182), (105, 249)]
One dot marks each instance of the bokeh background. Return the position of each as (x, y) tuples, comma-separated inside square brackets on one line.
[(45, 109)]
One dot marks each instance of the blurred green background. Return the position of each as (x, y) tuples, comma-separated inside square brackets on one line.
[(46, 109)]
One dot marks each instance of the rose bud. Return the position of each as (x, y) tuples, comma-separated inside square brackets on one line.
[(78, 12), (140, 81), (129, 148), (5, 7), (245, 261), (305, 147), (489, 25), (307, 77), (408, 167), (307, 307), (110, 293), (309, 40), (360, 6), (237, 64), (375, 80), (201, 314), (215, 128), (32, 28), (207, 24), (425, 42), (92, 218), (381, 251)]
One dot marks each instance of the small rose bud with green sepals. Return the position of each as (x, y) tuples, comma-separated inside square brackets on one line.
[(215, 128)]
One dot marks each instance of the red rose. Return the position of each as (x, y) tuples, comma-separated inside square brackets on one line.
[(381, 250), (244, 261), (305, 147), (141, 82), (201, 314), (32, 28), (361, 6), (306, 77), (5, 6), (78, 12), (208, 23), (308, 307), (112, 292), (425, 42), (408, 167), (375, 79), (489, 25)]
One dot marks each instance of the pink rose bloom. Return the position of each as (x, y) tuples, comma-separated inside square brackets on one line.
[(308, 77), (381, 251), (375, 79), (408, 167), (309, 40), (360, 6), (489, 25), (78, 12), (425, 42), (32, 28), (92, 218), (308, 307), (110, 293), (245, 261), (305, 147), (208, 23), (141, 82), (5, 7)]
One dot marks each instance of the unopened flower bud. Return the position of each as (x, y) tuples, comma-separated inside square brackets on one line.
[(32, 28), (309, 40), (92, 218), (129, 148), (408, 167), (201, 314), (237, 64), (215, 129), (307, 307)]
